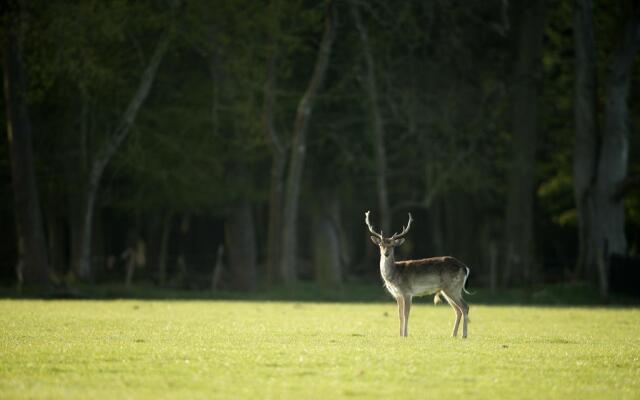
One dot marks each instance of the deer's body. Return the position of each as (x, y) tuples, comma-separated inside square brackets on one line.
[(422, 277), (444, 276)]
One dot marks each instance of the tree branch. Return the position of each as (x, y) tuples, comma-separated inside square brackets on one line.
[(129, 116)]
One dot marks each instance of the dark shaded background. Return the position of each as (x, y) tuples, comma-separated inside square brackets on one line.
[(507, 129)]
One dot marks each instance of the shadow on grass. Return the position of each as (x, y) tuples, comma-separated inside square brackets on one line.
[(549, 295)]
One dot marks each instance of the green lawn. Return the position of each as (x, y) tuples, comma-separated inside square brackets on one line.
[(233, 349)]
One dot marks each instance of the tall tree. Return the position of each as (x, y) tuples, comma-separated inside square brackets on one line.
[(109, 149), (278, 163), (614, 150), (586, 137), (289, 249), (377, 124), (601, 155), (33, 262), (519, 251)]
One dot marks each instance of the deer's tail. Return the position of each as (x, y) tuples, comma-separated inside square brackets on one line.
[(464, 284)]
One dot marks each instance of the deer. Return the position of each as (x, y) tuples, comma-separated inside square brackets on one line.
[(442, 276)]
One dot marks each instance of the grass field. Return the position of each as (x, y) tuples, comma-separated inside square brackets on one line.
[(233, 349)]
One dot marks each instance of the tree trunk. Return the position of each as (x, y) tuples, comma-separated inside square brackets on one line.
[(274, 234), (107, 152), (586, 140), (76, 169), (241, 245), (85, 240), (493, 266), (32, 247), (130, 267), (152, 232), (327, 253), (376, 122), (519, 249), (298, 151), (135, 253), (164, 248), (75, 210), (276, 196), (614, 150), (216, 273), (180, 279), (55, 238)]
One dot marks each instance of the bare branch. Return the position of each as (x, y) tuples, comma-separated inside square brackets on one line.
[(275, 142)]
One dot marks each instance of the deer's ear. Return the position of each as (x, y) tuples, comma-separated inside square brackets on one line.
[(398, 242), (375, 240)]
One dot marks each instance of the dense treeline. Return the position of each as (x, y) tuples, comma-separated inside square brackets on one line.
[(237, 144)]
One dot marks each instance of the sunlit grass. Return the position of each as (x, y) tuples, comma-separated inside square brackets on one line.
[(232, 349)]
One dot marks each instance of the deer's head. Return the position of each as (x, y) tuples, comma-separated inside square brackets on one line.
[(387, 245)]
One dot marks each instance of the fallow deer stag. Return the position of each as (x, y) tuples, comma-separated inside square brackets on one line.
[(444, 276)]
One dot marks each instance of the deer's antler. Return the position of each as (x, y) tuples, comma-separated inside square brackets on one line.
[(366, 220), (405, 230)]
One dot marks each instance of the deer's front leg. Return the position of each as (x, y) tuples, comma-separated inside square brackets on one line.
[(407, 307), (400, 301)]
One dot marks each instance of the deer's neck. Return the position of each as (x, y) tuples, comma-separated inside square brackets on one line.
[(387, 269)]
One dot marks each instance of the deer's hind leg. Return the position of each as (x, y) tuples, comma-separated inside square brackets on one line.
[(458, 310), (465, 312)]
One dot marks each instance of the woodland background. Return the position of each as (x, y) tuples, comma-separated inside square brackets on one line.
[(236, 144)]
